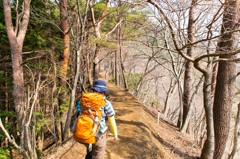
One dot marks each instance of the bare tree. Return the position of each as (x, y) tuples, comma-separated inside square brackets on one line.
[(120, 43), (97, 24), (226, 77), (188, 79), (64, 61), (79, 39), (206, 70), (66, 38), (16, 36)]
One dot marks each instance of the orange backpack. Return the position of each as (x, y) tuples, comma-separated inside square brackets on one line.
[(88, 121)]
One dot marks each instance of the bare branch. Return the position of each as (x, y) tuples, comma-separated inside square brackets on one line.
[(34, 99), (30, 52), (12, 140), (218, 54), (24, 22), (167, 20), (106, 36)]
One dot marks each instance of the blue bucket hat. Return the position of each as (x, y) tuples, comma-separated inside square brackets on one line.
[(99, 86)]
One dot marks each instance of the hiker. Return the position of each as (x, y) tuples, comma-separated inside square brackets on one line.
[(97, 149)]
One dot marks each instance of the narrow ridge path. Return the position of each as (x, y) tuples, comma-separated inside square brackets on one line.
[(140, 137)]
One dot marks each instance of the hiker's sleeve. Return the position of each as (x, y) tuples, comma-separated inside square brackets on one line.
[(78, 106), (113, 126), (109, 111)]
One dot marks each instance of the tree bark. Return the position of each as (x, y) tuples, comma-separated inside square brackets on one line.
[(208, 147), (78, 68), (226, 76), (16, 38), (170, 92), (97, 25), (120, 55), (64, 62), (236, 136), (189, 65), (65, 37)]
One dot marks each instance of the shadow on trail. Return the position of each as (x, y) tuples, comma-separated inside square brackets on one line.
[(143, 143), (135, 148), (62, 156), (174, 149)]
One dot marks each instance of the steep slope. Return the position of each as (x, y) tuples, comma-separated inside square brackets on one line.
[(140, 137)]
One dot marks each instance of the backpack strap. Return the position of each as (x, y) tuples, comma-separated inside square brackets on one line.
[(95, 120)]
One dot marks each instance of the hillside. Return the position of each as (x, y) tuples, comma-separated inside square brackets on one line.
[(140, 137)]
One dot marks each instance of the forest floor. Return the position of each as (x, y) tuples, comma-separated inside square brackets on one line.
[(140, 136)]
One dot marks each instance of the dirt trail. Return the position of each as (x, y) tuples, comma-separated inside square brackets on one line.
[(140, 137)]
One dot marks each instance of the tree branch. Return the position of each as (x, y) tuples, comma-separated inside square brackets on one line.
[(167, 20), (12, 140), (106, 36)]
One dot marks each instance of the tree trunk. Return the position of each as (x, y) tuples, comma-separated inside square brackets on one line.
[(64, 62), (208, 147), (116, 68), (97, 25), (214, 77), (79, 45), (189, 65), (171, 91), (188, 118), (226, 76), (180, 94), (66, 39), (16, 38), (96, 62), (235, 153), (40, 139), (120, 54)]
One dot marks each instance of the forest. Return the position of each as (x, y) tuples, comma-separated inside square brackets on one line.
[(177, 56)]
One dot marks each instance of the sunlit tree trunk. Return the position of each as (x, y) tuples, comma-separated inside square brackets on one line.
[(226, 76), (97, 25), (66, 39), (116, 68), (16, 36), (81, 29), (187, 88), (121, 58), (209, 146), (64, 60), (235, 153), (170, 92)]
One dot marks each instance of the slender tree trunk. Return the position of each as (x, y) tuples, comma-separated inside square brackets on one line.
[(116, 68), (66, 39), (64, 62), (16, 38), (214, 77), (77, 73), (120, 54), (209, 146), (236, 136), (40, 139), (189, 65), (97, 25), (180, 94), (58, 136), (96, 62), (226, 76), (6, 106), (187, 121), (171, 91)]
